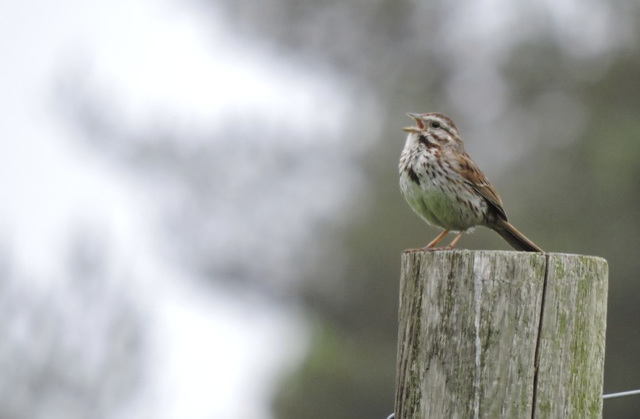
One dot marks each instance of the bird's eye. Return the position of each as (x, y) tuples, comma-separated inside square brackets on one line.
[(436, 124)]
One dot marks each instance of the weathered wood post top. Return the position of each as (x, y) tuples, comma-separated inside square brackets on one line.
[(500, 334)]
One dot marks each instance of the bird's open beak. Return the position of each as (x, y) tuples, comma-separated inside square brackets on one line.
[(416, 117)]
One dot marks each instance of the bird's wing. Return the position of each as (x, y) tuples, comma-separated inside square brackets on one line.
[(479, 182)]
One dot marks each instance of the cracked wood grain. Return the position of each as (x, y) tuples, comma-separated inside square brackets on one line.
[(487, 334)]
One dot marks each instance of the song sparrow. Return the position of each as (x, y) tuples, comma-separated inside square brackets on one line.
[(444, 186)]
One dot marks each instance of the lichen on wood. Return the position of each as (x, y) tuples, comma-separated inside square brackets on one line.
[(488, 334)]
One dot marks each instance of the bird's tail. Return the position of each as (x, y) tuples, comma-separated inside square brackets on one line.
[(516, 239)]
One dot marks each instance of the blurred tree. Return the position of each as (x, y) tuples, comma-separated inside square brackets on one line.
[(71, 352)]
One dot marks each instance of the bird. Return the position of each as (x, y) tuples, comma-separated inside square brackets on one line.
[(445, 187)]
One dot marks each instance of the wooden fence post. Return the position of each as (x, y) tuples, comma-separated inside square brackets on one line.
[(495, 334)]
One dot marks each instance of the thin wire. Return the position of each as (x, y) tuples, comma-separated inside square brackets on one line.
[(621, 394), (605, 396)]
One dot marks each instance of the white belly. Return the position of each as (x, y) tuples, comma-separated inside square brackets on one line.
[(442, 203)]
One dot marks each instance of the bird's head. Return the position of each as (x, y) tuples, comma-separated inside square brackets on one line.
[(434, 130)]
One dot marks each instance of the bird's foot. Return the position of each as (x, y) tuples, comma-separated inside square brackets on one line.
[(424, 249)]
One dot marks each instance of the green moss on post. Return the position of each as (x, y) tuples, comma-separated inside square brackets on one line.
[(501, 334)]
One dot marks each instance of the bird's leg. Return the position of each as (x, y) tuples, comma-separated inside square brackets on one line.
[(437, 240), (431, 245), (455, 240)]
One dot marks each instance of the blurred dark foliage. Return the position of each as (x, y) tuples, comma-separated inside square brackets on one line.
[(579, 196), (549, 114)]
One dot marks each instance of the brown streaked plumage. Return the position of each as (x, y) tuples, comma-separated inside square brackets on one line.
[(444, 186)]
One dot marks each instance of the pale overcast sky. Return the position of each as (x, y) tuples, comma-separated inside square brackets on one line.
[(210, 356)]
